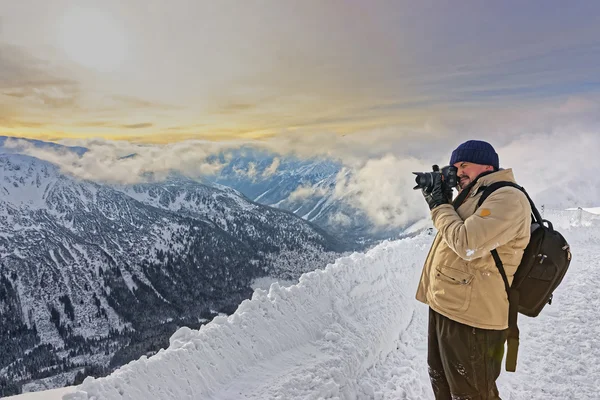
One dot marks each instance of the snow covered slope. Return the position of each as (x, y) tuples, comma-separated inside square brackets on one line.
[(354, 331)]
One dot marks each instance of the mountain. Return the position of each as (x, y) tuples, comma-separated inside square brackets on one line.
[(305, 187), (93, 275)]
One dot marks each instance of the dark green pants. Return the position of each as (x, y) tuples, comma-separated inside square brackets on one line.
[(464, 362)]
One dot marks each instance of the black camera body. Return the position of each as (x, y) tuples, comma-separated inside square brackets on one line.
[(425, 180)]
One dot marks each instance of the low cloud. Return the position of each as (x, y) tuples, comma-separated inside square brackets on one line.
[(250, 172), (340, 219), (382, 188), (304, 192), (556, 164), (271, 169), (127, 163)]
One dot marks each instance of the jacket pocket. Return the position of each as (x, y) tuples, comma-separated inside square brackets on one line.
[(452, 288)]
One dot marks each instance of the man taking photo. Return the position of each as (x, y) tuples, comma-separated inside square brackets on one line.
[(465, 292)]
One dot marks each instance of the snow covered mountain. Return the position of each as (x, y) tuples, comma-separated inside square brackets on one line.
[(38, 144), (342, 333), (93, 275), (304, 187)]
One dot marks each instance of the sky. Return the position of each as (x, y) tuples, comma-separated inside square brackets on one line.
[(156, 72), (339, 332)]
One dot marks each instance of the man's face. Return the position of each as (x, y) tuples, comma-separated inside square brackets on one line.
[(467, 172)]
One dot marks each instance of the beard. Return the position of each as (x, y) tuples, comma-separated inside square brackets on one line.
[(463, 181)]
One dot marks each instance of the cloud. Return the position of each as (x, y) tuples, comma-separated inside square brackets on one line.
[(383, 189), (138, 126), (118, 101), (340, 219), (233, 108), (30, 81), (111, 161), (271, 169), (93, 124), (251, 172), (557, 168), (303, 192), (35, 92), (46, 96)]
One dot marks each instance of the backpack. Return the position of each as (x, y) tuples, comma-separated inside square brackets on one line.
[(542, 268)]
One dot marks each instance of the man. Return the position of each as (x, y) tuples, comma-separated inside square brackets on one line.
[(468, 304)]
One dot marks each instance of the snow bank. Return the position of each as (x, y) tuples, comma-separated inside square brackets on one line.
[(337, 322)]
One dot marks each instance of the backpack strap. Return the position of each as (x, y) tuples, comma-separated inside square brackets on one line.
[(513, 311), (488, 190), (465, 192), (512, 294)]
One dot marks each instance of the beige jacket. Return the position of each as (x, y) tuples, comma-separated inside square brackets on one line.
[(460, 279)]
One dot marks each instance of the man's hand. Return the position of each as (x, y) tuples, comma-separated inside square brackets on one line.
[(447, 192), (438, 194)]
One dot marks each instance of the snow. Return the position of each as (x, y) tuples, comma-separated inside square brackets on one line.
[(23, 184), (319, 203), (265, 283), (593, 210), (353, 330), (419, 226), (262, 195), (53, 394)]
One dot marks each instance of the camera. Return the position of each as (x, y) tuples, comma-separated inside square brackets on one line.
[(425, 180)]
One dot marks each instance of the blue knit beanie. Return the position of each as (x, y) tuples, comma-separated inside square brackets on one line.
[(477, 152)]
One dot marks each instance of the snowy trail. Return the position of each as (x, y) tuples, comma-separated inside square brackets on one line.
[(311, 372), (330, 366)]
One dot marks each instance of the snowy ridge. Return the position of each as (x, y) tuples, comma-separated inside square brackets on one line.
[(24, 184), (346, 312)]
